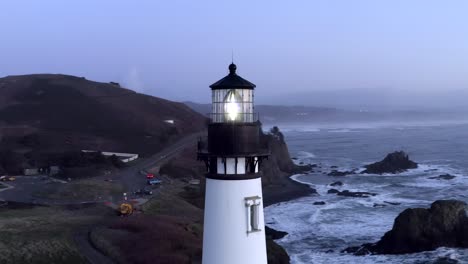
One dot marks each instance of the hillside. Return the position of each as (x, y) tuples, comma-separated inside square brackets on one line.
[(44, 114)]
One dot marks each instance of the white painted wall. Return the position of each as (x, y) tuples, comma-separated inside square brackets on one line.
[(240, 165), (231, 165), (129, 156), (225, 236)]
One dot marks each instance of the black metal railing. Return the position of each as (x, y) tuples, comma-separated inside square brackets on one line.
[(237, 118), (202, 144), (203, 148)]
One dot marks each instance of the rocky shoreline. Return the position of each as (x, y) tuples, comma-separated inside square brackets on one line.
[(274, 194), (287, 191), (444, 224)]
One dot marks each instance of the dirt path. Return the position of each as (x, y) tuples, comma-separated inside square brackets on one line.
[(85, 247)]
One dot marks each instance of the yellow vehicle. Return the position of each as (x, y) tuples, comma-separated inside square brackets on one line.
[(6, 178), (126, 209)]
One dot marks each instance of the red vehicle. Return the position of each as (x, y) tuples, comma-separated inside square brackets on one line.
[(149, 176)]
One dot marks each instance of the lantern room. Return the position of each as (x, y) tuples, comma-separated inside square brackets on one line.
[(233, 99)]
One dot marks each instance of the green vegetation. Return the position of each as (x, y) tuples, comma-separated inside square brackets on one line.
[(43, 234), (167, 203), (88, 189), (143, 239), (168, 229), (104, 240)]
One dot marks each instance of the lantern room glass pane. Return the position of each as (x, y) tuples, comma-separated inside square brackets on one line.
[(244, 105)]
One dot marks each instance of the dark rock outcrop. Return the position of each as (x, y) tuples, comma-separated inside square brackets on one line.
[(445, 260), (274, 234), (377, 205), (337, 183), (443, 177), (319, 203), (444, 224), (356, 194), (348, 193), (337, 173), (392, 203), (395, 162), (275, 253)]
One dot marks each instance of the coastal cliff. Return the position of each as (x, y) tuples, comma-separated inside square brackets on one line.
[(277, 186)]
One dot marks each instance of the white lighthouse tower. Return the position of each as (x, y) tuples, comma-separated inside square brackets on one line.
[(234, 229)]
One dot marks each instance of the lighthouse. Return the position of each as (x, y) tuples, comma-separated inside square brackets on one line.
[(234, 228)]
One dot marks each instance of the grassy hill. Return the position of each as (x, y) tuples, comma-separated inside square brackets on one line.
[(44, 114)]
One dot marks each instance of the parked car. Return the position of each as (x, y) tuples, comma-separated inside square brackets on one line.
[(145, 191), (154, 181), (149, 176), (7, 178)]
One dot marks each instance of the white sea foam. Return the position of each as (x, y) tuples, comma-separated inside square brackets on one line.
[(305, 155), (344, 130), (299, 129), (297, 177)]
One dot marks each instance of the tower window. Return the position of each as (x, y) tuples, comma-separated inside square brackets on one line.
[(253, 213)]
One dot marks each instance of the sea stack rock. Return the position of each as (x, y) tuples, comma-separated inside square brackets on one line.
[(444, 224), (443, 177), (395, 162), (337, 173)]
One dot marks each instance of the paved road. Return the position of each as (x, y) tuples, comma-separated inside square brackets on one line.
[(132, 179), (22, 189)]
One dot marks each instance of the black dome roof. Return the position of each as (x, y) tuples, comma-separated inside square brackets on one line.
[(232, 80)]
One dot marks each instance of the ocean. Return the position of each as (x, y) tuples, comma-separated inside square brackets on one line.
[(318, 233)]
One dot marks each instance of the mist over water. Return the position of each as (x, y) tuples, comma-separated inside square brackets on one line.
[(318, 233), (377, 99)]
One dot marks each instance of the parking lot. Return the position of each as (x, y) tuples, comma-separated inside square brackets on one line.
[(23, 188)]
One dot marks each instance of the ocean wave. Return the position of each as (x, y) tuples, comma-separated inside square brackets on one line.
[(296, 177), (344, 130), (458, 255), (421, 169), (288, 129), (305, 155)]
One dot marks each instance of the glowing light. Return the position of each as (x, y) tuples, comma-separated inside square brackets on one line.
[(231, 106)]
